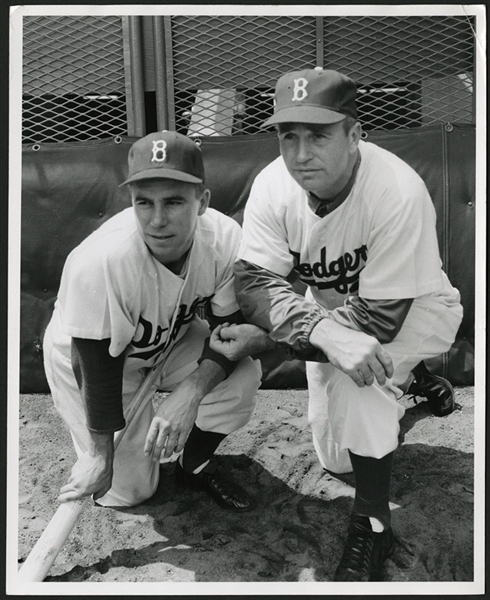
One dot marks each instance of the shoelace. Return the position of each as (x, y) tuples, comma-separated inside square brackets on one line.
[(357, 553)]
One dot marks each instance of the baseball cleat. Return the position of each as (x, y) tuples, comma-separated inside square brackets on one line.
[(224, 492), (365, 552), (438, 391)]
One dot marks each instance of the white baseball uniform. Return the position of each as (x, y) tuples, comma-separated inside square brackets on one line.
[(379, 243), (112, 287)]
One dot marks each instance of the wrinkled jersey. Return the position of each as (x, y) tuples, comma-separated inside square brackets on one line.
[(380, 243), (112, 287)]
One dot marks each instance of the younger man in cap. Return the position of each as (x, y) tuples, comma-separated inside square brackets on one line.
[(357, 225), (129, 297)]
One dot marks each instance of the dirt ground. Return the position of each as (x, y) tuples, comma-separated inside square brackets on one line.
[(295, 533)]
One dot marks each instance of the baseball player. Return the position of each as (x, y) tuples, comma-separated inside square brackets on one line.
[(357, 225), (131, 295)]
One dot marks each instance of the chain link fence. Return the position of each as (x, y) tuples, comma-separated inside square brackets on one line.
[(221, 71), (410, 71), (73, 79)]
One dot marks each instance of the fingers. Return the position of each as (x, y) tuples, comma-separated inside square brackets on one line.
[(215, 334), (380, 369), (182, 440), (67, 493), (156, 439), (161, 439), (151, 438), (170, 445), (227, 332), (374, 370), (70, 492), (385, 360), (69, 496)]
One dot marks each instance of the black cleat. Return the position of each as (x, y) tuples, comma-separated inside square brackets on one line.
[(438, 391), (225, 492), (365, 552)]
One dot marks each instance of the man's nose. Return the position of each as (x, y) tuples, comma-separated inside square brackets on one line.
[(303, 151), (159, 217)]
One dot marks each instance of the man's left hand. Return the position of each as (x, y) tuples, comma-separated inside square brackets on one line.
[(171, 425)]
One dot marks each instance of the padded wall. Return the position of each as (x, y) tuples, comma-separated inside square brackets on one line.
[(68, 190)]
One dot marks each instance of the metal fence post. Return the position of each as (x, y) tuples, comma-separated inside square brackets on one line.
[(319, 42), (137, 84), (160, 73), (169, 72)]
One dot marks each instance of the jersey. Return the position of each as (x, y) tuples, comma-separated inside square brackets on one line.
[(112, 287), (380, 243)]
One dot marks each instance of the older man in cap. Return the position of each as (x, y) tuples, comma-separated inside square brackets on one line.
[(357, 226), (131, 296)]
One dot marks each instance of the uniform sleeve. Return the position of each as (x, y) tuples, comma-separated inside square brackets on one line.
[(99, 377)]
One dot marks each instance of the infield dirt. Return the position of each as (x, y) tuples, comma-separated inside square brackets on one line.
[(297, 529)]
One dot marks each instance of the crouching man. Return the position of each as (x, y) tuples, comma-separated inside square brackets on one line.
[(130, 296), (357, 225)]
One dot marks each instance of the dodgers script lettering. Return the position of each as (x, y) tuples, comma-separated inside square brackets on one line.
[(341, 274)]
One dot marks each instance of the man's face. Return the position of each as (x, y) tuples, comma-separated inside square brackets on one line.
[(320, 158), (167, 212)]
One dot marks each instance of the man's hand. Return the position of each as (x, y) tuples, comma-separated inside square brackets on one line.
[(171, 425), (238, 341), (92, 473), (355, 353), (177, 414)]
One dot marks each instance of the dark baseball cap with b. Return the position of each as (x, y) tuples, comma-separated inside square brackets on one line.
[(317, 96), (165, 155)]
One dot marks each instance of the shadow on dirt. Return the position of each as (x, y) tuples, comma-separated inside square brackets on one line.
[(294, 537)]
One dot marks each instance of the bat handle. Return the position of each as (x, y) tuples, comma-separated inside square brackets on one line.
[(51, 541)]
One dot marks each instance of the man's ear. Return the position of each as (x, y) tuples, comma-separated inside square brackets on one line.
[(204, 201), (355, 136)]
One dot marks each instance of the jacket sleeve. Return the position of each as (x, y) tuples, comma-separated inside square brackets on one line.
[(382, 319), (269, 300)]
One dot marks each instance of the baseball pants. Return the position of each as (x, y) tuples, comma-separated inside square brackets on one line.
[(365, 420), (225, 409)]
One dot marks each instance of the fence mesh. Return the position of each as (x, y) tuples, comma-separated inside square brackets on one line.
[(225, 68), (73, 79), (410, 71), (221, 71)]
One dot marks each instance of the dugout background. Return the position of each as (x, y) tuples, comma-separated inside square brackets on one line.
[(98, 80)]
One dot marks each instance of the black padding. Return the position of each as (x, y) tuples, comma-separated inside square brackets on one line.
[(69, 189)]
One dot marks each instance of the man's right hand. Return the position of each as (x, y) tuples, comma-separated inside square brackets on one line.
[(355, 353), (92, 473)]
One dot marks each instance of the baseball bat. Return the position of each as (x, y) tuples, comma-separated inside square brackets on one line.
[(60, 526)]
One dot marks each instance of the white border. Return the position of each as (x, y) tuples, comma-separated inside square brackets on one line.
[(16, 587)]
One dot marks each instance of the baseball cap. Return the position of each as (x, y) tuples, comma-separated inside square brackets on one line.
[(313, 96), (165, 155)]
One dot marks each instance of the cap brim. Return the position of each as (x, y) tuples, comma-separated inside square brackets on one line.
[(162, 174), (304, 114)]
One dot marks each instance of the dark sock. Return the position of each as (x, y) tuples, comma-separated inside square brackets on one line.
[(200, 447), (372, 477)]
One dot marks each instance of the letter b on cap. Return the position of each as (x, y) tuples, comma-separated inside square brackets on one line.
[(299, 91), (159, 154)]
